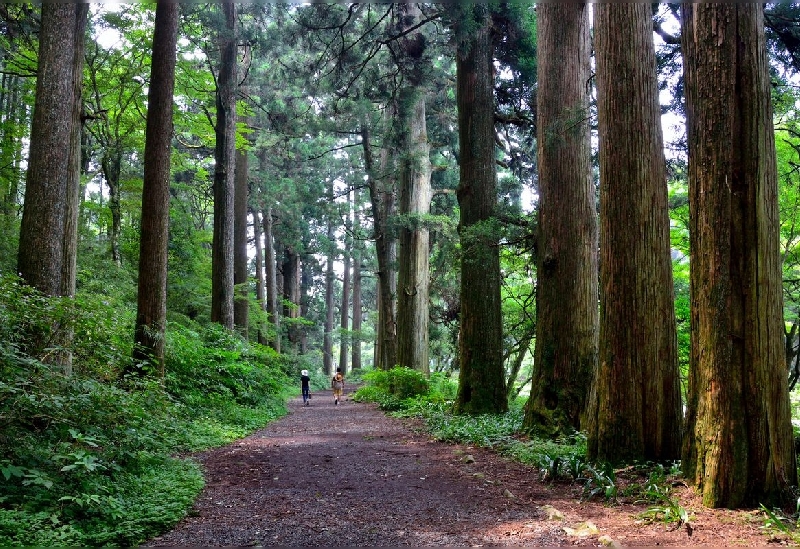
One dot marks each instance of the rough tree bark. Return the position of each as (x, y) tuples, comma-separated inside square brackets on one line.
[(481, 387), (739, 447), (330, 278), (415, 197), (40, 259), (381, 192), (291, 294), (637, 402), (151, 314), (241, 270), (344, 311), (222, 286), (567, 317), (271, 275), (68, 281), (355, 356), (261, 281)]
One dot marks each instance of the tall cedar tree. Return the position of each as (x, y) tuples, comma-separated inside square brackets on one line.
[(739, 448), (241, 268), (637, 404), (481, 380), (222, 286), (357, 287), (40, 259), (414, 193), (330, 308), (271, 277), (344, 311), (566, 307), (69, 275), (151, 315), (381, 186)]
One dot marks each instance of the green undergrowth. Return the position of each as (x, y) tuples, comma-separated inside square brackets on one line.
[(406, 393), (98, 458)]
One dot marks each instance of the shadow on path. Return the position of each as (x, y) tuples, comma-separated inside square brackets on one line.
[(347, 475)]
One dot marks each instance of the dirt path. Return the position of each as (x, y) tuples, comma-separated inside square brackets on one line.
[(347, 475)]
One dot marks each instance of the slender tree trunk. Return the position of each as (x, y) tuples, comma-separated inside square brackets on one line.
[(382, 200), (516, 365), (291, 294), (271, 272), (567, 317), (637, 402), (357, 314), (306, 282), (75, 166), (12, 116), (344, 320), (222, 279), (151, 315), (739, 447), (261, 281), (415, 201), (41, 242), (481, 387), (330, 277), (241, 269), (112, 169)]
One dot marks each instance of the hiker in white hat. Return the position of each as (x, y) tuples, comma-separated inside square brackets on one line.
[(304, 381)]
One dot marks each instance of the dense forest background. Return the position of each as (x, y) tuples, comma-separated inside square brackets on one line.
[(364, 186)]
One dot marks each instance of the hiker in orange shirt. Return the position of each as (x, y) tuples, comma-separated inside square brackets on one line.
[(337, 384)]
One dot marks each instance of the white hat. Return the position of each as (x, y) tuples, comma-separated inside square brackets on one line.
[(304, 373)]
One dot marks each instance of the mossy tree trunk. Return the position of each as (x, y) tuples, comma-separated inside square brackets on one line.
[(636, 405), (739, 447), (566, 293)]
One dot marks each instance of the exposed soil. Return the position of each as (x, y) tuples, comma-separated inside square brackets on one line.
[(347, 475)]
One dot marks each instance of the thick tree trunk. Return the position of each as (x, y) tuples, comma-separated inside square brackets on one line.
[(637, 404), (381, 192), (151, 315), (41, 242), (64, 358), (567, 317), (222, 285), (241, 262), (739, 446), (481, 387), (415, 201)]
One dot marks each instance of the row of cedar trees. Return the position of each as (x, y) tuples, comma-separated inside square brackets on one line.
[(612, 372)]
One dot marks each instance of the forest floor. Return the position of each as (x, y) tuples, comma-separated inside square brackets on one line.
[(348, 475)]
